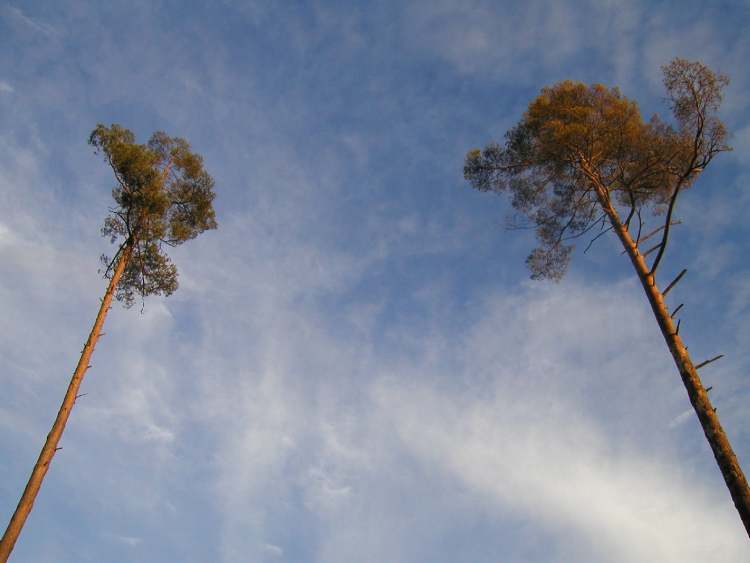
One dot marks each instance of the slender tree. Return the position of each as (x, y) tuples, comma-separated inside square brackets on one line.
[(163, 197), (582, 158)]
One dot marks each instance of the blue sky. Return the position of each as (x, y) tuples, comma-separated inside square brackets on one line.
[(356, 367)]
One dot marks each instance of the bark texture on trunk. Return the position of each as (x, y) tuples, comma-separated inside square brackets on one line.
[(50, 445), (717, 438)]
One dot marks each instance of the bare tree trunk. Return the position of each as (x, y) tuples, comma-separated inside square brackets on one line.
[(717, 438), (50, 446)]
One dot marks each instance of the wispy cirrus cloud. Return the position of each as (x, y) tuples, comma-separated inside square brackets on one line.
[(18, 18)]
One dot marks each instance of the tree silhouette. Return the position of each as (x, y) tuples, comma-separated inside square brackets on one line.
[(163, 197), (582, 158)]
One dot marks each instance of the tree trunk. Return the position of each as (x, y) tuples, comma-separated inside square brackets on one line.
[(50, 446), (717, 438)]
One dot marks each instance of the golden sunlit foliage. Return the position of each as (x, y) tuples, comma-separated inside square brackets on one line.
[(572, 133), (164, 197)]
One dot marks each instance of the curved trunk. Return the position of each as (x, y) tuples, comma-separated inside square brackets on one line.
[(50, 446), (717, 438)]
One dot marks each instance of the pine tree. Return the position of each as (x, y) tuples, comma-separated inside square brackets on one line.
[(163, 197), (581, 158)]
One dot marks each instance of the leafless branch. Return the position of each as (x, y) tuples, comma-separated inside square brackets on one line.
[(703, 364), (632, 209), (588, 228), (667, 224), (513, 223), (640, 228), (657, 230), (674, 282), (120, 181), (650, 250), (604, 232), (112, 262), (689, 171)]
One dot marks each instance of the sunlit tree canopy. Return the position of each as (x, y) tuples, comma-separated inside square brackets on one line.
[(573, 136), (163, 197)]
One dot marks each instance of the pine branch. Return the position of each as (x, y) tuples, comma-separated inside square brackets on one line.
[(604, 232), (667, 224), (650, 250), (703, 364), (657, 230), (674, 282)]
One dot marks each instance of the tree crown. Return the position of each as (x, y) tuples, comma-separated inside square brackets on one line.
[(163, 197), (573, 136)]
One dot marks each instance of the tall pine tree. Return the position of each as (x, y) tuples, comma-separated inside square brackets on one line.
[(163, 197), (582, 157)]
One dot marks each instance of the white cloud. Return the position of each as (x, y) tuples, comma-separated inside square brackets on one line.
[(476, 38), (563, 474), (534, 425), (681, 418), (130, 541), (741, 143), (19, 18), (273, 550), (6, 88), (6, 237)]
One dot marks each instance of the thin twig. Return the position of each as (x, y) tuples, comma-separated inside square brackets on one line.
[(658, 229), (650, 250), (674, 282), (604, 232), (640, 228), (601, 219), (703, 364), (632, 210), (667, 224)]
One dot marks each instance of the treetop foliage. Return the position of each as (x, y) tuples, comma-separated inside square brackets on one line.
[(163, 197), (574, 137)]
